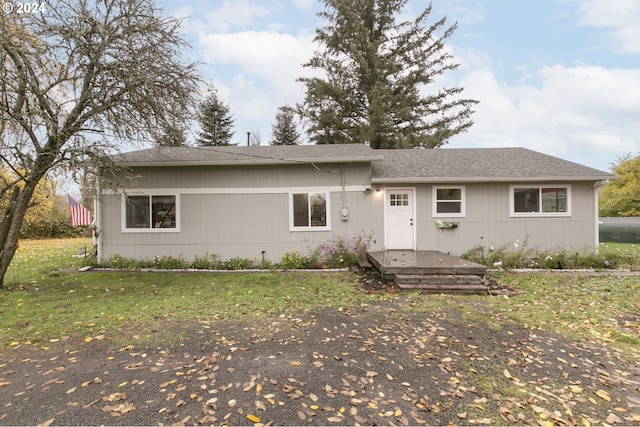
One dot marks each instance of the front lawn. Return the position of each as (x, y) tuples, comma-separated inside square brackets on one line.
[(44, 299)]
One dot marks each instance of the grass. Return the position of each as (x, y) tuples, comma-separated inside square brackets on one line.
[(602, 308), (37, 305), (43, 306)]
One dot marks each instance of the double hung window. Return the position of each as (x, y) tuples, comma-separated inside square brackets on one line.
[(448, 202)]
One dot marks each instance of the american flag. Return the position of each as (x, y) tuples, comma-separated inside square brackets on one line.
[(79, 214)]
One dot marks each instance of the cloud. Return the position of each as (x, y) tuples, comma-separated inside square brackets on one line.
[(572, 112), (621, 17)]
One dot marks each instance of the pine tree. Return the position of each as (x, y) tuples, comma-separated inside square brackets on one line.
[(215, 120), (284, 130), (379, 79)]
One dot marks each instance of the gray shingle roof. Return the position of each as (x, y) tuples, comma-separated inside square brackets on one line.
[(252, 155), (388, 166), (478, 164)]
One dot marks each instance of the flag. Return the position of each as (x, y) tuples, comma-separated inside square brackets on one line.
[(79, 214)]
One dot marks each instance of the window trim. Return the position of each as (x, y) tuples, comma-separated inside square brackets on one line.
[(327, 227), (150, 193), (540, 187), (434, 198)]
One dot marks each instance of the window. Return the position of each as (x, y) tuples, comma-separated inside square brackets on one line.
[(309, 211), (151, 212), (448, 201), (401, 199), (543, 201)]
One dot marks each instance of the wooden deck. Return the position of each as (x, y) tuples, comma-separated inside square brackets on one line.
[(430, 271)]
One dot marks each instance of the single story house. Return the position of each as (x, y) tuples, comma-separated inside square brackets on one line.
[(259, 202)]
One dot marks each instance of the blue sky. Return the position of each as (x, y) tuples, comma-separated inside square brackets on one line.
[(557, 76)]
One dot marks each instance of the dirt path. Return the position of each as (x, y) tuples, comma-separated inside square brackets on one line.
[(376, 364)]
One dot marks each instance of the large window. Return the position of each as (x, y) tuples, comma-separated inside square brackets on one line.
[(448, 201), (309, 211), (151, 212), (553, 200)]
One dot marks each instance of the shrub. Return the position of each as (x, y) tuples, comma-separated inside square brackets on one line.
[(512, 256), (342, 251), (291, 261), (235, 263)]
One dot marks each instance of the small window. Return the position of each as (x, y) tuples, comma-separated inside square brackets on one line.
[(543, 201), (151, 212), (448, 202), (309, 211), (399, 199)]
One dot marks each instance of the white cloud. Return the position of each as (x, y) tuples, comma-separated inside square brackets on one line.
[(578, 112), (275, 58), (620, 16)]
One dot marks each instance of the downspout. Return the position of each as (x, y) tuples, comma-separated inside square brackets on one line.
[(97, 231), (596, 188), (344, 211)]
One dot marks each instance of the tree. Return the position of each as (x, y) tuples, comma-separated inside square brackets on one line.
[(379, 77), (171, 136), (621, 197), (215, 120), (75, 80), (284, 130)]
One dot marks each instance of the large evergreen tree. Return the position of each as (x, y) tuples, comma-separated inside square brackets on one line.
[(378, 79), (215, 120), (284, 130)]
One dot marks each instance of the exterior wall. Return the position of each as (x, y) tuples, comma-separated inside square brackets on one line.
[(488, 222), (240, 211), (243, 211)]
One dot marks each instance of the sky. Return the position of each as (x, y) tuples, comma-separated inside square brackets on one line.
[(557, 76)]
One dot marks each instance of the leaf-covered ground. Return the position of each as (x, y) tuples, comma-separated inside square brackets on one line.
[(377, 363)]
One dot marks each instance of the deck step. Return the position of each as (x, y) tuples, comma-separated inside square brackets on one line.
[(442, 283)]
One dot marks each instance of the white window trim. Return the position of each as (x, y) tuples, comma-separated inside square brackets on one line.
[(514, 214), (434, 198), (309, 228), (153, 192)]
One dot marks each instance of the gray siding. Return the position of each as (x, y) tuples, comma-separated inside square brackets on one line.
[(243, 211), (488, 222), (214, 220)]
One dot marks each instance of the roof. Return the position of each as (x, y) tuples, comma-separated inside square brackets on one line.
[(441, 165), (458, 165), (252, 155)]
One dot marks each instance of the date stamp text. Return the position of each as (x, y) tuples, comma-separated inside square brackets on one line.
[(23, 7)]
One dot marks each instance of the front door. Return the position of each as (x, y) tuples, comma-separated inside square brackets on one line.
[(399, 218)]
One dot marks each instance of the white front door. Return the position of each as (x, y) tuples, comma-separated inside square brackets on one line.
[(399, 228)]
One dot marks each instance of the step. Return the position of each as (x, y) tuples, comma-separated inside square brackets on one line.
[(447, 289), (454, 284), (438, 279)]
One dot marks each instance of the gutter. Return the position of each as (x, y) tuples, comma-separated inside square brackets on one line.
[(480, 179)]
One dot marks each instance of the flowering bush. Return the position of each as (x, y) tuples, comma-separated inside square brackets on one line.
[(292, 260), (342, 251)]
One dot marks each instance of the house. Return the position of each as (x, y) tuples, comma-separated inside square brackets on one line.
[(260, 202)]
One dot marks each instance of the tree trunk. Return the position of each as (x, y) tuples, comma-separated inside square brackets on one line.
[(10, 232)]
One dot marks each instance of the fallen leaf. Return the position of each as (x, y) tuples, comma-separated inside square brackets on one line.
[(260, 405), (603, 395), (507, 374), (253, 418)]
